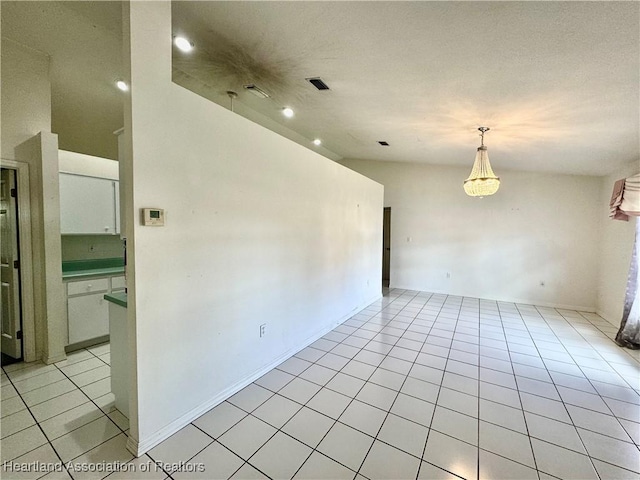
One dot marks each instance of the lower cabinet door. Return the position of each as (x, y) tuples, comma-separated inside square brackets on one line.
[(88, 317)]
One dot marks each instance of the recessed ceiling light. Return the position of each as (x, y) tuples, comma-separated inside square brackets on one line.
[(317, 142), (287, 112), (122, 85), (183, 44)]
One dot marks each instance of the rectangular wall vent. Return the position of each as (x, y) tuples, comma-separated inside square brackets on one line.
[(318, 83)]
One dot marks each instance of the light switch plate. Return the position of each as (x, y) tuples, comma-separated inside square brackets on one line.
[(152, 217)]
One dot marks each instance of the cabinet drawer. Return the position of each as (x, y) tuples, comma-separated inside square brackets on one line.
[(117, 283), (88, 286)]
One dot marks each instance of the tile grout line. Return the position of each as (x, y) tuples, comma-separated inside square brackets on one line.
[(20, 395), (353, 398), (399, 320), (104, 414), (563, 402), (599, 396), (437, 395), (603, 359), (508, 351), (66, 377), (426, 441), (524, 417), (41, 431), (611, 338), (388, 412)]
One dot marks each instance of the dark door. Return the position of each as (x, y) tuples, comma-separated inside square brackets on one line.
[(10, 319), (386, 246)]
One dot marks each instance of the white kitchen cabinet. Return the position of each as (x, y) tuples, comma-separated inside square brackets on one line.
[(116, 193), (88, 205), (87, 310), (88, 317)]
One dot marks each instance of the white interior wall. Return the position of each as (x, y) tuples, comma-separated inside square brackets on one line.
[(89, 165), (25, 137), (615, 250), (537, 228), (259, 230), (26, 95)]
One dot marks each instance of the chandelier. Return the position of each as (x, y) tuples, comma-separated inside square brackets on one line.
[(482, 181)]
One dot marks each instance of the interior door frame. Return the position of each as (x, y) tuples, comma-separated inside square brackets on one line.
[(26, 257)]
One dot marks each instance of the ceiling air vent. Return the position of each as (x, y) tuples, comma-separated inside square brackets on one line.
[(383, 143), (318, 83)]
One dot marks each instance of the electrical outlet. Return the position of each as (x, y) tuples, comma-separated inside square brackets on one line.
[(263, 330), (448, 275)]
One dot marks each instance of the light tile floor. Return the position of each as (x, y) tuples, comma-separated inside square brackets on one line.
[(416, 386)]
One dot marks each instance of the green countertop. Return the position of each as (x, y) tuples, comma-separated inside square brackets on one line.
[(76, 269), (119, 298)]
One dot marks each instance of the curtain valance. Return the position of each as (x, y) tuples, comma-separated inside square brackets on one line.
[(625, 199)]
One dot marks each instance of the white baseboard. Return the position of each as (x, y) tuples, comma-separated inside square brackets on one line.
[(580, 308), (140, 447)]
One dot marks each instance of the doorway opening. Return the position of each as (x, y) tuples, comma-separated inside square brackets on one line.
[(10, 307), (386, 247)]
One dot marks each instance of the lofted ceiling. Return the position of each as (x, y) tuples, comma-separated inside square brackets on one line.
[(84, 43), (558, 83)]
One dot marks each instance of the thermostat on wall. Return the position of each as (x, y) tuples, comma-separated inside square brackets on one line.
[(153, 217)]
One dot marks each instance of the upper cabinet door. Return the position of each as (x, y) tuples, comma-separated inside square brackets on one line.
[(87, 205)]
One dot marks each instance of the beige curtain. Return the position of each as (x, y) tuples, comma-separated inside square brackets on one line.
[(625, 202), (629, 333)]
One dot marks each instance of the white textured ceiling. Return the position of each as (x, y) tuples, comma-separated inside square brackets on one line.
[(84, 41), (558, 83)]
